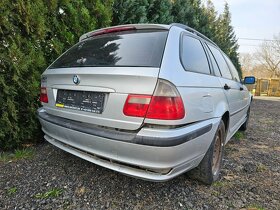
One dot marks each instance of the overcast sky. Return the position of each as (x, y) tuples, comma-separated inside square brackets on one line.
[(253, 19)]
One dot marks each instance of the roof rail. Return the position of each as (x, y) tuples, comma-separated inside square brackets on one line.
[(193, 31)]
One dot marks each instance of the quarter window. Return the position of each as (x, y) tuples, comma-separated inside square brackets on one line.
[(193, 56), (221, 62)]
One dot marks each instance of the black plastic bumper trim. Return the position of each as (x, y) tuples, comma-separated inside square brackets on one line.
[(129, 137)]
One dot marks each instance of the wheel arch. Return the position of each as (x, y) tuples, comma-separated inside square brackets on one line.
[(222, 111), (226, 119)]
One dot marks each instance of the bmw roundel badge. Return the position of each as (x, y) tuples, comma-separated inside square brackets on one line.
[(76, 79)]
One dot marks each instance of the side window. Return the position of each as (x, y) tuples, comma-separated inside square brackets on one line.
[(221, 62), (214, 63), (193, 56), (232, 69)]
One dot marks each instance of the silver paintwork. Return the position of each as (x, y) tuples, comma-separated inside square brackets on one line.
[(157, 158), (116, 81), (204, 98)]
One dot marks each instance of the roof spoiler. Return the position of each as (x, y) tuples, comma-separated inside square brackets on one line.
[(123, 28)]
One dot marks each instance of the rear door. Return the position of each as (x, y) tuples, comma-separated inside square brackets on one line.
[(243, 90), (91, 81), (231, 89)]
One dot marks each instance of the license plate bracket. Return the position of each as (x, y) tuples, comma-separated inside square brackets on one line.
[(80, 100)]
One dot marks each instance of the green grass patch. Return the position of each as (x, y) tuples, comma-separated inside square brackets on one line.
[(220, 184), (4, 156), (239, 135), (18, 154), (255, 207), (215, 193), (12, 190), (261, 167), (24, 153), (53, 193)]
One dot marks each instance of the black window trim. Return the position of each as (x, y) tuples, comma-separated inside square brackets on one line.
[(205, 45), (222, 53), (208, 51), (184, 33), (225, 56)]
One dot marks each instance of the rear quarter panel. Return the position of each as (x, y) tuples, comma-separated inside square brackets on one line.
[(202, 94)]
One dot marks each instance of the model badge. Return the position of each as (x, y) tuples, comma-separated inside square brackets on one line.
[(76, 79)]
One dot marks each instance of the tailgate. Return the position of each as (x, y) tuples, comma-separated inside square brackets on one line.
[(91, 81), (114, 83)]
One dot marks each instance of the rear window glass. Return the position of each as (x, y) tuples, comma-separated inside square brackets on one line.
[(143, 48)]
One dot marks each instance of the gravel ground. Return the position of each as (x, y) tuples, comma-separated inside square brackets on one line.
[(250, 177)]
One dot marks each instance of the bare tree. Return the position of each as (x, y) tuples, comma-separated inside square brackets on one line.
[(269, 56), (247, 63)]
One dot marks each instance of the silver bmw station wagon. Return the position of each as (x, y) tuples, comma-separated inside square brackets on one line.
[(150, 101)]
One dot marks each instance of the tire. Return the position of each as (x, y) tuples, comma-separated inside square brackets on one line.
[(244, 126), (208, 171)]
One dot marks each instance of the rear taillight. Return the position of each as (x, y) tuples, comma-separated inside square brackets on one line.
[(165, 104), (136, 105), (166, 108), (44, 95)]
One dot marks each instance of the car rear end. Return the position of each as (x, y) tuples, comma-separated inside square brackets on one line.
[(100, 97)]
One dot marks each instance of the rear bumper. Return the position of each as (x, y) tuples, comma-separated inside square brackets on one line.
[(151, 154)]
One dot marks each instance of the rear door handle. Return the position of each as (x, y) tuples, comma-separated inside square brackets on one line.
[(226, 87), (241, 88)]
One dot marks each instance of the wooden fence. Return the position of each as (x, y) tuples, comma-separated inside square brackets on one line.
[(266, 87)]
